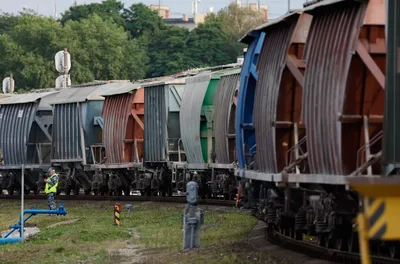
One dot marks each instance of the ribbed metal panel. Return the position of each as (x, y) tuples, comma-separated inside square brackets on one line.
[(155, 118), (329, 48), (391, 142), (15, 125), (224, 118), (66, 143), (270, 67), (193, 96), (116, 112), (245, 136)]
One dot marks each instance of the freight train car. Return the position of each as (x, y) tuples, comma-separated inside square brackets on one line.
[(140, 146), (162, 132), (76, 127), (123, 132), (208, 93), (313, 117), (25, 138)]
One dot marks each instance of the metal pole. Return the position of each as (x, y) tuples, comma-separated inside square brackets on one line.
[(65, 68), (288, 3), (22, 202)]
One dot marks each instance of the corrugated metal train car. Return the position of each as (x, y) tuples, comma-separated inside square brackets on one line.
[(208, 93), (76, 126), (316, 110), (123, 135), (25, 138)]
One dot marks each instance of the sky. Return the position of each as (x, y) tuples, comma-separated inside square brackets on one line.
[(178, 7)]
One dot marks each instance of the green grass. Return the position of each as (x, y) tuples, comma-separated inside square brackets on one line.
[(155, 228)]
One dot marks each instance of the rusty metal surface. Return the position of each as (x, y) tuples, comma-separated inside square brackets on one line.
[(192, 101), (120, 127), (375, 13), (331, 42), (270, 68), (224, 118), (289, 130)]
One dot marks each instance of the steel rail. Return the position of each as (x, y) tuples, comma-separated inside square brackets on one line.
[(174, 199)]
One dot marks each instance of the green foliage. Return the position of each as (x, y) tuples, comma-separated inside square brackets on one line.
[(115, 56), (7, 22), (171, 58), (107, 41), (237, 21), (106, 9), (207, 46), (139, 20), (28, 50)]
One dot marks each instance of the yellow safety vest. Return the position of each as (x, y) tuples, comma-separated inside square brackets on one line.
[(51, 188)]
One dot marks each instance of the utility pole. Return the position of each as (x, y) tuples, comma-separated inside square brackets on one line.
[(258, 5), (159, 7), (288, 3)]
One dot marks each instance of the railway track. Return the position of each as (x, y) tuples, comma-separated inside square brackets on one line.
[(323, 253), (173, 199)]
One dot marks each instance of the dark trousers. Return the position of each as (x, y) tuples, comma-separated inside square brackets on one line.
[(51, 200)]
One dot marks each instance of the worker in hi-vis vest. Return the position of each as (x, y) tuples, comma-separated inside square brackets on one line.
[(51, 188)]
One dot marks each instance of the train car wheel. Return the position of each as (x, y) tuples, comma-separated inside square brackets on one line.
[(127, 191)]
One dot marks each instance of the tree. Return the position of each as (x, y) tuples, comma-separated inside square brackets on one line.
[(208, 45), (115, 56), (237, 20), (7, 22), (167, 51), (27, 51), (139, 20), (106, 9)]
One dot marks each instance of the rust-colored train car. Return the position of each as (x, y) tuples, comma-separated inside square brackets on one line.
[(123, 132), (318, 117)]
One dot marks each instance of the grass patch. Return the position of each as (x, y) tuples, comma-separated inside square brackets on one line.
[(155, 228)]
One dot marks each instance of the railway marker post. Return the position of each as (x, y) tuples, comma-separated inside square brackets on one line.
[(193, 218), (117, 214)]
